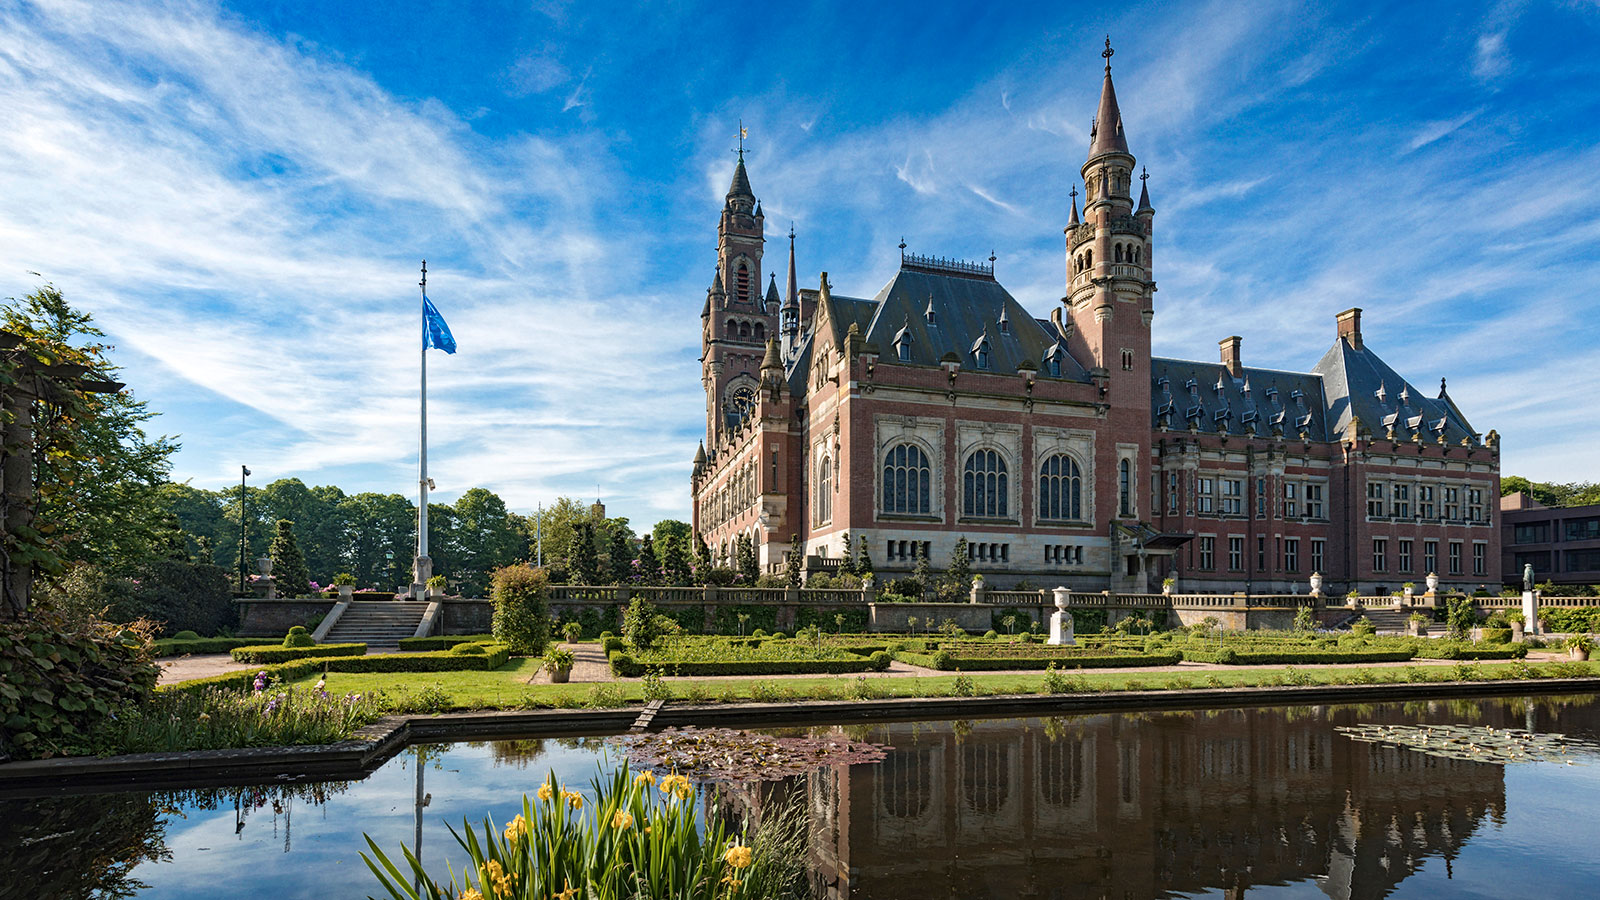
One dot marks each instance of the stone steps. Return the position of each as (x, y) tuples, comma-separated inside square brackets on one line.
[(1389, 621), (377, 622)]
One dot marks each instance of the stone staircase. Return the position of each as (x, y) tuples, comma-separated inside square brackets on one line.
[(1388, 620), (377, 623)]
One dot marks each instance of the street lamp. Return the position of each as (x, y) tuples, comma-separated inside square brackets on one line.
[(244, 472), (389, 555)]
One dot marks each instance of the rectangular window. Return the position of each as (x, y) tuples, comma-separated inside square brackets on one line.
[(1455, 557), (1583, 560), (1583, 529), (1540, 560), (1380, 554), (1261, 553), (1232, 497), (1317, 548), (1291, 554), (1532, 533), (1208, 549), (1290, 506), (1404, 553), (1480, 558), (1172, 492), (1425, 501), (1374, 498), (1402, 501), (1236, 554), (1430, 556), (1452, 503), (1261, 498), (1203, 496), (1474, 505), (1314, 501)]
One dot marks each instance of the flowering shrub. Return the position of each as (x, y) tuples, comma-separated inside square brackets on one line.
[(639, 837), (213, 719)]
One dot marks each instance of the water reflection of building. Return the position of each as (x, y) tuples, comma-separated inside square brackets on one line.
[(1141, 806)]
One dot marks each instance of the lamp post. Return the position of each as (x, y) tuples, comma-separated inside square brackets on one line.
[(389, 555), (244, 528)]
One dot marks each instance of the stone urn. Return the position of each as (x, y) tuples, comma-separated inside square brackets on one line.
[(1516, 632), (346, 591), (1407, 594), (264, 563), (1316, 584), (1433, 582), (560, 676), (1580, 654)]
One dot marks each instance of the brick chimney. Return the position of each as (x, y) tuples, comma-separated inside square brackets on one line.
[(1350, 326), (1230, 355)]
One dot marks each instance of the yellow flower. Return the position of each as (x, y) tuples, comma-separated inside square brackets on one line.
[(546, 791), (569, 894), (516, 829), (573, 798), (205, 717), (738, 856), (495, 876), (645, 778), (621, 820), (676, 784), (469, 894)]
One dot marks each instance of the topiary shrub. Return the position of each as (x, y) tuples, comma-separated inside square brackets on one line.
[(61, 676), (1227, 657), (640, 624), (881, 661), (758, 633), (991, 635), (298, 637), (521, 620), (469, 650), (186, 636), (779, 636)]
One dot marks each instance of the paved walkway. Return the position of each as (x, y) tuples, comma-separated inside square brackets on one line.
[(197, 665)]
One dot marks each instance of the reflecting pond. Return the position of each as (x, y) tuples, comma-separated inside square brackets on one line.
[(1263, 802)]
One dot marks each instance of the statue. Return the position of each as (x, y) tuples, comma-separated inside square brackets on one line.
[(1527, 577)]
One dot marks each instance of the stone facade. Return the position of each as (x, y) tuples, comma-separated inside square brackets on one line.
[(1059, 447)]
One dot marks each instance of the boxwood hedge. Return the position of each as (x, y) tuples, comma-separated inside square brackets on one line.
[(437, 661), (180, 646), (624, 665), (946, 661), (442, 642), (277, 654), (1231, 657)]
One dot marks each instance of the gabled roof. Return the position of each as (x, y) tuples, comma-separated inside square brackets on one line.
[(1183, 391), (1353, 378), (964, 306)]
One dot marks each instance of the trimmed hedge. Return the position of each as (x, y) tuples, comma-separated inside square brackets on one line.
[(625, 666), (1427, 649), (855, 618), (1230, 657), (242, 679), (950, 662), (179, 647), (613, 644), (443, 661), (276, 654), (442, 642)]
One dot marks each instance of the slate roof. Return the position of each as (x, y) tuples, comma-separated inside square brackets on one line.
[(1183, 391), (967, 310), (1354, 380)]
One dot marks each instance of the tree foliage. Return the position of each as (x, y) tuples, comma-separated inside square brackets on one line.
[(288, 565), (521, 619), (1577, 493)]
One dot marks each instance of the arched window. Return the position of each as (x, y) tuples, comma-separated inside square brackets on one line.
[(1088, 258), (906, 479), (742, 283), (761, 332), (824, 504), (744, 329), (1060, 488), (1119, 253), (984, 485), (1125, 487)]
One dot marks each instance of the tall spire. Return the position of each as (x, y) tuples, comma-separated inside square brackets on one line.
[(1144, 192), (741, 181), (1074, 219), (1107, 136), (791, 296)]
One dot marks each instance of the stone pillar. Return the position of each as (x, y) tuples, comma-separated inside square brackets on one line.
[(978, 590), (1061, 630), (869, 588), (421, 571), (1530, 611)]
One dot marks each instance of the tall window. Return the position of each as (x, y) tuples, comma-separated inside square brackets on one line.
[(824, 504), (1172, 492), (1380, 554), (1290, 507), (742, 283), (1425, 501), (1261, 498), (1236, 554), (906, 480), (984, 485), (1474, 505), (1318, 549), (1452, 503), (982, 356), (1291, 554), (1430, 556), (1405, 555), (1125, 487), (1455, 557), (1374, 498), (1232, 497), (1208, 552), (1060, 489), (1402, 501), (1479, 560), (1314, 500), (1202, 499)]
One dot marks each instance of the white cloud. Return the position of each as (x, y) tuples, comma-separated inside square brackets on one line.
[(1491, 59)]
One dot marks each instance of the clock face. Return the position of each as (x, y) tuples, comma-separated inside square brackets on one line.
[(741, 403)]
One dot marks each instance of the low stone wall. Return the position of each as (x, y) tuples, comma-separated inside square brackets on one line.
[(465, 616), (976, 618), (259, 617), (1239, 618)]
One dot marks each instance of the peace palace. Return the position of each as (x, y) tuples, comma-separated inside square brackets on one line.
[(1058, 447)]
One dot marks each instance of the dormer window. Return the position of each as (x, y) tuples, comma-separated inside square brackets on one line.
[(982, 356), (928, 314), (1005, 323), (903, 348), (1052, 363)]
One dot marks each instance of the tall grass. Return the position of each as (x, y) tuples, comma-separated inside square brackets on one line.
[(219, 718), (640, 837)]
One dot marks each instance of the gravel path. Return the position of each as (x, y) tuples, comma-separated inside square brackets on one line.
[(197, 665)]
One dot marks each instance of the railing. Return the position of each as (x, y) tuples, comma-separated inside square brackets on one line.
[(829, 595), (1018, 598)]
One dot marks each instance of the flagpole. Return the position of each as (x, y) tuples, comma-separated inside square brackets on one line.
[(420, 569)]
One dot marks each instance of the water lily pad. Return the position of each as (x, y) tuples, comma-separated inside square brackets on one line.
[(726, 754)]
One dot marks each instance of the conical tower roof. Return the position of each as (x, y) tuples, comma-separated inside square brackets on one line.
[(1107, 136), (741, 181)]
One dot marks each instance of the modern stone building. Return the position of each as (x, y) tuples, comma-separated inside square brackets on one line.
[(941, 408), (1561, 543)]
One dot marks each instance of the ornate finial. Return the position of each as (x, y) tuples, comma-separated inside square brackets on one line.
[(902, 248), (743, 133), (1107, 53), (424, 281), (1144, 174), (1441, 385), (1074, 192), (991, 259), (791, 232)]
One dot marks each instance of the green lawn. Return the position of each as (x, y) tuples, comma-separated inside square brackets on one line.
[(504, 688)]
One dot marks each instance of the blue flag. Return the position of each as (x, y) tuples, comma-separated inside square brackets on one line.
[(439, 336)]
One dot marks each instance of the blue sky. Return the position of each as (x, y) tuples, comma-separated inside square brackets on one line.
[(241, 193)]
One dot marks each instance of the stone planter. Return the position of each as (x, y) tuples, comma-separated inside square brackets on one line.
[(345, 592), (1578, 654), (560, 676), (1516, 632), (1417, 630)]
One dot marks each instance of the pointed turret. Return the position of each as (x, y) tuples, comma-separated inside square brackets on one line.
[(773, 360), (700, 458), (1144, 195), (740, 188), (771, 300), (789, 316), (1107, 135), (1073, 219)]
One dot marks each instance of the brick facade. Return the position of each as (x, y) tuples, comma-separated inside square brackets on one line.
[(1060, 448)]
